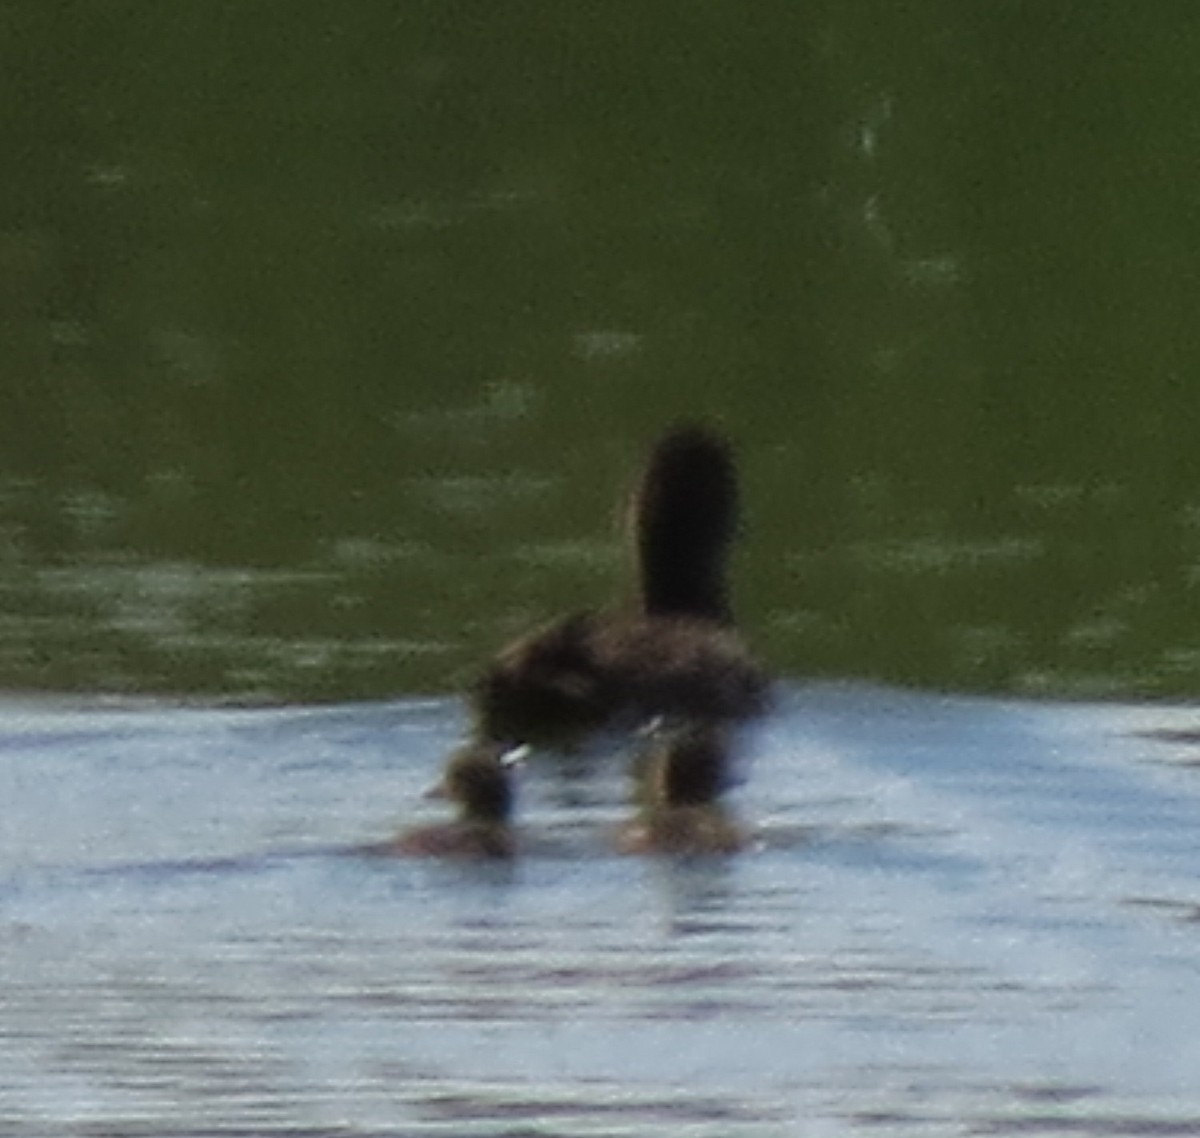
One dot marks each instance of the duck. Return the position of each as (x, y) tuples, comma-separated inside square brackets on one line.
[(673, 653), (477, 779), (683, 775)]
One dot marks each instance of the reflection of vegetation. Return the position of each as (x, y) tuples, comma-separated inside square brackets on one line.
[(278, 284)]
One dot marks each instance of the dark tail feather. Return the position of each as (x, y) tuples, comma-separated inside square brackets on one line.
[(685, 518)]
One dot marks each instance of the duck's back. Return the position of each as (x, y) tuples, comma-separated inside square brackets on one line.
[(680, 668)]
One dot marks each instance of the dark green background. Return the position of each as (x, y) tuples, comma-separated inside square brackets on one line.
[(331, 338)]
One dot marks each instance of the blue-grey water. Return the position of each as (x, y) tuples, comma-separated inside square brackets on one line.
[(960, 916)]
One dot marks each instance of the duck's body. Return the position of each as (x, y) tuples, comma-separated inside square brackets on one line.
[(683, 778), (598, 671), (478, 782), (675, 654)]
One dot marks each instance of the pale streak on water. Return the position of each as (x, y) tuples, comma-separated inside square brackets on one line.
[(964, 917)]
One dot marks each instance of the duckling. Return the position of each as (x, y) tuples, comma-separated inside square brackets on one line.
[(675, 654), (683, 778), (477, 779)]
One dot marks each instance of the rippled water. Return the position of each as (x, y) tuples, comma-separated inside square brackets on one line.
[(962, 917)]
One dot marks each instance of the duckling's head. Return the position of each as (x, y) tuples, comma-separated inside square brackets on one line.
[(478, 780), (693, 767)]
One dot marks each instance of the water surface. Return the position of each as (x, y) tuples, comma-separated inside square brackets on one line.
[(959, 917)]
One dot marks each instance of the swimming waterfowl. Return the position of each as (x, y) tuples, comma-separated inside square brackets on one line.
[(682, 779), (478, 780), (594, 671), (675, 653)]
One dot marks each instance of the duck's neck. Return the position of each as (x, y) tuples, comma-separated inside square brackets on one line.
[(684, 520)]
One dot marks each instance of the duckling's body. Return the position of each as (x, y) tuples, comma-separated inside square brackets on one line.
[(469, 840), (683, 778), (478, 782), (683, 831), (676, 654)]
